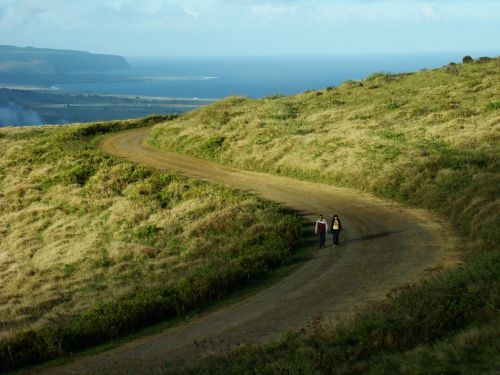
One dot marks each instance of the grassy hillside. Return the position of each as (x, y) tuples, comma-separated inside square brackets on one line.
[(92, 247), (429, 139)]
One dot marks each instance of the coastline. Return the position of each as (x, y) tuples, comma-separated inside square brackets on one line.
[(35, 105)]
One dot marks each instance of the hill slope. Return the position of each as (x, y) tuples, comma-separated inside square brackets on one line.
[(92, 247), (429, 139)]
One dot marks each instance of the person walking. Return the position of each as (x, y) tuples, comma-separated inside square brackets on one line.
[(335, 229), (320, 230)]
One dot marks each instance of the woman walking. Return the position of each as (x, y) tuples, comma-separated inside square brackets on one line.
[(336, 228)]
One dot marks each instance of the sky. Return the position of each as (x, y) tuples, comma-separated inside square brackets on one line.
[(252, 27)]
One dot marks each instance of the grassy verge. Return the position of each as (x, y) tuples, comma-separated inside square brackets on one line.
[(93, 248), (429, 139)]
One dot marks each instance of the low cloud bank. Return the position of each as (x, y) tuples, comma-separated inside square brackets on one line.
[(13, 114)]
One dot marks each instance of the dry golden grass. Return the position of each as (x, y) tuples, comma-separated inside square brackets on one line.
[(71, 238)]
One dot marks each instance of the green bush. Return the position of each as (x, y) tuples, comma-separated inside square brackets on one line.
[(79, 174), (211, 146), (484, 59), (284, 111), (467, 59), (146, 232)]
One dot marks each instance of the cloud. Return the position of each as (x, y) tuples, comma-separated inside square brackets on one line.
[(269, 10), (169, 27), (428, 11), (191, 13)]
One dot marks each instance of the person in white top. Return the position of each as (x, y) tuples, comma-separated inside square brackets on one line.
[(320, 230)]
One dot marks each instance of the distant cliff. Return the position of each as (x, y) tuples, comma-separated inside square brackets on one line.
[(32, 60)]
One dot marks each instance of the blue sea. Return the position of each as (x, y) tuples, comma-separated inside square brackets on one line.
[(183, 82), (217, 77)]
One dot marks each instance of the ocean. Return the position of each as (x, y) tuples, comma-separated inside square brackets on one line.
[(179, 84), (218, 77)]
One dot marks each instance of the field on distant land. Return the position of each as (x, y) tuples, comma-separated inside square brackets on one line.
[(430, 139), (92, 247)]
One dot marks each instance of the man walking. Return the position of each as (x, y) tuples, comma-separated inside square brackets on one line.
[(320, 230)]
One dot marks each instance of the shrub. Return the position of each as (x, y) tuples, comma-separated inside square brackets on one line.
[(467, 59), (79, 174), (284, 111), (484, 59), (146, 232), (211, 146)]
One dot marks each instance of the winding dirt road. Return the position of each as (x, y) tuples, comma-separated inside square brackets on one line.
[(384, 247)]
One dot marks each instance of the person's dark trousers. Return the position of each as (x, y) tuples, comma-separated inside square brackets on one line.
[(321, 238), (336, 234)]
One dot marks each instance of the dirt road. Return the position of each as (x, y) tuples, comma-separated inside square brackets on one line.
[(385, 246)]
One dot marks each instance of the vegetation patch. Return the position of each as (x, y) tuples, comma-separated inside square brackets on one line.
[(394, 103), (212, 145), (93, 247), (493, 105)]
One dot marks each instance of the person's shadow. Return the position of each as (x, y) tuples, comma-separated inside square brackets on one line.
[(371, 236)]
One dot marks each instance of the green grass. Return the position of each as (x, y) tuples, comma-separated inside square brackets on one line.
[(94, 248), (428, 139)]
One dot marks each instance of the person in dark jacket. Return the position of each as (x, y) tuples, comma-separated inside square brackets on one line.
[(335, 228), (320, 230)]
